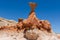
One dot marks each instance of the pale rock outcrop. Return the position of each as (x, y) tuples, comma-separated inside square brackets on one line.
[(6, 22)]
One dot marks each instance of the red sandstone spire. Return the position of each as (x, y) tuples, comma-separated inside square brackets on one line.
[(32, 15), (32, 5)]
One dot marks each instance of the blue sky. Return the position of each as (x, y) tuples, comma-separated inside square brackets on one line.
[(45, 10)]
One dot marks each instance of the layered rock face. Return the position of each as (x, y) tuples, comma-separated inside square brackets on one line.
[(6, 22), (27, 29)]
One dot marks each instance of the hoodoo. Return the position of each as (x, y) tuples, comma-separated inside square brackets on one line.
[(27, 29), (33, 22)]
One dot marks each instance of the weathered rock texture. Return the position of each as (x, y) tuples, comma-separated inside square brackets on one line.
[(27, 29)]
